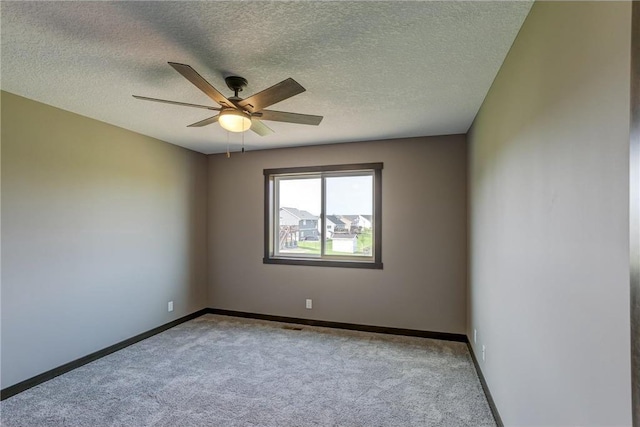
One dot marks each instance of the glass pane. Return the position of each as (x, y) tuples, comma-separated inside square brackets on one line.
[(298, 219), (349, 201)]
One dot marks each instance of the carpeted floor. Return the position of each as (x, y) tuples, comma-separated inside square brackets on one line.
[(223, 371)]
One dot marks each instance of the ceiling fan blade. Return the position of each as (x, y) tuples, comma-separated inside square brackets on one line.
[(276, 93), (205, 122), (185, 104), (260, 128), (199, 81), (282, 116)]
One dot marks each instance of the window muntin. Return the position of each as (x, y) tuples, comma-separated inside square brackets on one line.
[(324, 215)]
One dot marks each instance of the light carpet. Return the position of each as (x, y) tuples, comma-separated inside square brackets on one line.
[(225, 371)]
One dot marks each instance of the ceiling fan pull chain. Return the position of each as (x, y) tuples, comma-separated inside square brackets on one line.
[(228, 154), (242, 142)]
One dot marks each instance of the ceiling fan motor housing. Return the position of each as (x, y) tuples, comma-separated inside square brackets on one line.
[(236, 83)]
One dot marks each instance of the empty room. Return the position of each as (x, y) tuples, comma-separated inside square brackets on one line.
[(320, 213)]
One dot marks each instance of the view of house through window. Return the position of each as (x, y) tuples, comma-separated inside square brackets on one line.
[(323, 214), (299, 215)]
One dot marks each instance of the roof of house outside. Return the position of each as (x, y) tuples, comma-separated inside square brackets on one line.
[(299, 213), (367, 217), (334, 219), (344, 236)]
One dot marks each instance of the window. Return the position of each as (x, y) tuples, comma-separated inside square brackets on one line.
[(324, 216)]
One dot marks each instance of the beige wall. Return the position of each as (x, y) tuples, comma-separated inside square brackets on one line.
[(423, 283), (549, 254), (101, 227)]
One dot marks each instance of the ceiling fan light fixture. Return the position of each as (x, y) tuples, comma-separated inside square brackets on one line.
[(234, 121)]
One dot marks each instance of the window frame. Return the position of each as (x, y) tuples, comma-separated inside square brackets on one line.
[(348, 262)]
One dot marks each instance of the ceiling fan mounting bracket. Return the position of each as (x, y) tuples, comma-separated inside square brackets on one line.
[(236, 83)]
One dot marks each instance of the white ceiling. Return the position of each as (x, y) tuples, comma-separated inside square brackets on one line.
[(374, 70)]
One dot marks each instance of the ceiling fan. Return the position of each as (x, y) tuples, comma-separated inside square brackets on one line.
[(237, 114)]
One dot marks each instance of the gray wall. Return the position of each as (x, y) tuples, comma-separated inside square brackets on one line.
[(101, 227), (423, 283), (549, 251)]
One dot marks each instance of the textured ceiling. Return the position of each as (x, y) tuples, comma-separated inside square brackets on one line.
[(374, 70)]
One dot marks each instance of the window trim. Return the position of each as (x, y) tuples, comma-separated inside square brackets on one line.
[(269, 257)]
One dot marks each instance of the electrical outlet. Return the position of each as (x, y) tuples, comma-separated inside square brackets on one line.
[(475, 335), (309, 304), (484, 352), (170, 306)]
